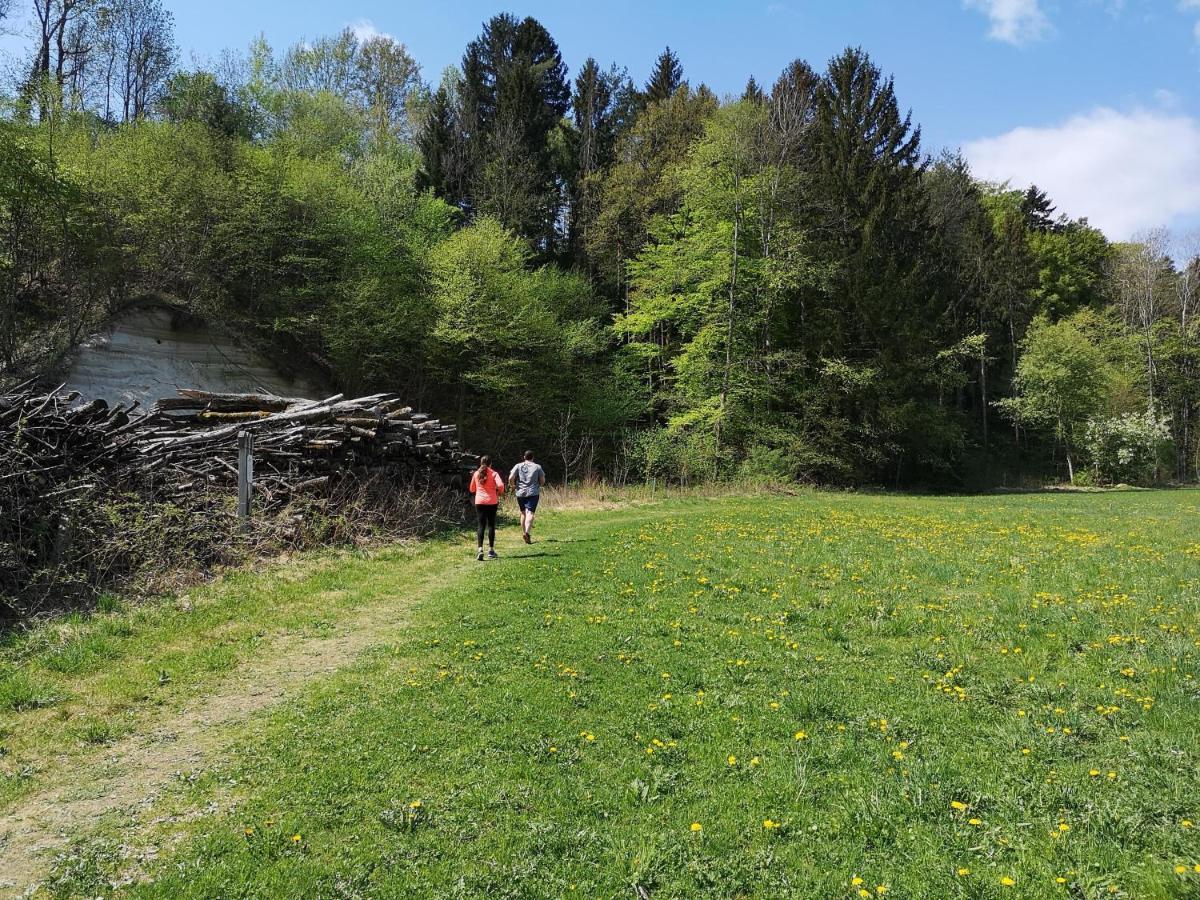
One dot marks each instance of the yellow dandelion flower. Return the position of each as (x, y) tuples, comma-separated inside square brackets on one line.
[(958, 804), (696, 826), (1007, 881), (1179, 870), (800, 735), (731, 759), (963, 871), (296, 838), (974, 821)]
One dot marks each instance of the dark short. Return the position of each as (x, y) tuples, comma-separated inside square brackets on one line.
[(528, 503)]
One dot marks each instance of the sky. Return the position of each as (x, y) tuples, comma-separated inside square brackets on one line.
[(1095, 101)]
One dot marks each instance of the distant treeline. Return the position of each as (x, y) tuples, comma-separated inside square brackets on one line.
[(638, 281)]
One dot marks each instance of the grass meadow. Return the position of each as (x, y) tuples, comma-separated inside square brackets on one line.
[(793, 696)]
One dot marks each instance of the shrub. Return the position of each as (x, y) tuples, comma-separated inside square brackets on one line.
[(1126, 448), (768, 464)]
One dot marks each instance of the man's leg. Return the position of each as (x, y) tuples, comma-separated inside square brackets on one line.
[(530, 509)]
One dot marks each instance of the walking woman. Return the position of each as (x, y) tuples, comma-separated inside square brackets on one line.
[(487, 486)]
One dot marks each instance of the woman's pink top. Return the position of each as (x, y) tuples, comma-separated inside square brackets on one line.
[(487, 492)]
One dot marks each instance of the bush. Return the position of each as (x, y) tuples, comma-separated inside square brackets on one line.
[(768, 464), (1126, 448), (675, 455)]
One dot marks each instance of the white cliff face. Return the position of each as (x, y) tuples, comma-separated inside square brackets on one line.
[(144, 355)]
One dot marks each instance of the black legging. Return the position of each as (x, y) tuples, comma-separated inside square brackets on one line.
[(487, 517)]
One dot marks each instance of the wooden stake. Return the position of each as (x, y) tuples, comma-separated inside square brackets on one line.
[(245, 472)]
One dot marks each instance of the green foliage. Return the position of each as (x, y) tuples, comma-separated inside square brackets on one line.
[(1127, 448), (640, 183), (199, 97), (514, 344), (488, 140), (665, 79), (781, 274), (1072, 266), (1061, 381)]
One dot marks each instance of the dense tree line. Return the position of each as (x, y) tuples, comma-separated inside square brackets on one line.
[(644, 281)]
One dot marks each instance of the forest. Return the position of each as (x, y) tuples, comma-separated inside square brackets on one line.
[(642, 281)]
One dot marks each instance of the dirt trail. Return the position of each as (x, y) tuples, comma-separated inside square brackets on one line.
[(128, 775)]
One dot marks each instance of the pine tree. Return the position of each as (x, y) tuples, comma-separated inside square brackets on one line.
[(436, 144), (753, 92), (1038, 210), (868, 226), (666, 78), (514, 95), (597, 110)]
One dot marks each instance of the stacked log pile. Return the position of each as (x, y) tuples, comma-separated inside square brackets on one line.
[(61, 458), (300, 445), (191, 440)]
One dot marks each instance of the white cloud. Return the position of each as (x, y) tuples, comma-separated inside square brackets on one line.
[(1014, 21), (1124, 171), (364, 30)]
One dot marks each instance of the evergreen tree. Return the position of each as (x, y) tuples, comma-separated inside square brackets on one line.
[(597, 106), (514, 94), (867, 224), (753, 92), (437, 142), (1038, 210), (666, 78), (867, 161)]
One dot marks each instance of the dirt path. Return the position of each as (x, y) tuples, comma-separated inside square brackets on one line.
[(126, 777)]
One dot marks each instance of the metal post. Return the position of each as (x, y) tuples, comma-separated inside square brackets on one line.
[(245, 472)]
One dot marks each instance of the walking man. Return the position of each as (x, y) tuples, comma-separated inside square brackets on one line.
[(527, 477)]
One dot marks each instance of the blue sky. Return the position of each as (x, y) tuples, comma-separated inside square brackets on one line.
[(1096, 100)]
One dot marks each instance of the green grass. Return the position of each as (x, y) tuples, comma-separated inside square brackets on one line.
[(744, 697), (85, 680)]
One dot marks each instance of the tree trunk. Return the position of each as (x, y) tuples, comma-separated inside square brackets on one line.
[(733, 276)]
